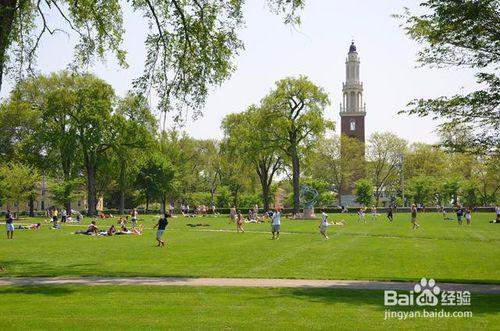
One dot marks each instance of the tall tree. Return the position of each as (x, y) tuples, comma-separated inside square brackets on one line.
[(211, 166), (363, 189), (384, 152), (135, 129), (52, 143), (91, 116), (461, 34), (422, 189), (236, 173), (294, 121), (155, 179), (425, 159), (248, 142), (189, 48), (183, 154), (336, 160)]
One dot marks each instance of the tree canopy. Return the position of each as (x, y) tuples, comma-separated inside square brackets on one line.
[(190, 45), (461, 34)]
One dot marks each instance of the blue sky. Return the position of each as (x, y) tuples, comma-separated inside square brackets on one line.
[(316, 49)]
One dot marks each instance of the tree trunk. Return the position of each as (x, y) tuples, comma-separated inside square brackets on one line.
[(66, 167), (122, 187), (263, 173), (122, 203), (163, 204), (7, 12), (212, 197), (147, 203), (235, 198), (67, 205), (295, 180), (91, 191), (32, 206)]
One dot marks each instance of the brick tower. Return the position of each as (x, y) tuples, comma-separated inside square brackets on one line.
[(352, 114)]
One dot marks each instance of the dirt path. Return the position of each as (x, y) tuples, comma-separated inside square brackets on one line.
[(244, 282)]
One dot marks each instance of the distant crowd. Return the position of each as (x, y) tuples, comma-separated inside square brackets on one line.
[(128, 225)]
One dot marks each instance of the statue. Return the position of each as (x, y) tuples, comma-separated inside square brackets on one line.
[(309, 198)]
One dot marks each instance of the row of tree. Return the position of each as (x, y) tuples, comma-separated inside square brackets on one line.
[(73, 132)]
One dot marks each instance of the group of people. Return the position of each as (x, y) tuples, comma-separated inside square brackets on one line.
[(93, 230), (202, 210), (374, 213), (235, 215), (253, 216), (53, 214), (461, 213)]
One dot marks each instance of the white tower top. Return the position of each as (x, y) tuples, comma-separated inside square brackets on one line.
[(352, 89)]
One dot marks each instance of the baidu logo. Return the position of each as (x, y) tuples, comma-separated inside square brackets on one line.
[(427, 293)]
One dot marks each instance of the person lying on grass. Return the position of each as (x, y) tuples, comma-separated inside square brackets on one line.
[(136, 230), (111, 231), (30, 227), (92, 230)]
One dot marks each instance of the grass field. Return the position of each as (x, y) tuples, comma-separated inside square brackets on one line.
[(375, 250), (143, 307)]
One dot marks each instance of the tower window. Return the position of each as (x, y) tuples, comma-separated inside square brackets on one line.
[(353, 126)]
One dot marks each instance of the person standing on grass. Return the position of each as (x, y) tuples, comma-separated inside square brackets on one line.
[(374, 213), (63, 215), (323, 227), (390, 215), (161, 225), (9, 224), (276, 224), (134, 217), (361, 214), (468, 215), (232, 214), (460, 214), (414, 216), (239, 222), (443, 211), (54, 215)]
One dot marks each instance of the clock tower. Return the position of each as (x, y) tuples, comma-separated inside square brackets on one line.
[(352, 108), (352, 114)]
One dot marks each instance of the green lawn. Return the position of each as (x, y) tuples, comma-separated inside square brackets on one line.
[(374, 250), (145, 307)]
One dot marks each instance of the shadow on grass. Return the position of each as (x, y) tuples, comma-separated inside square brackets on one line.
[(34, 268), (481, 304), (49, 290)]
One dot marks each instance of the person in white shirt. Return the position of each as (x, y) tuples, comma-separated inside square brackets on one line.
[(134, 217), (256, 212), (323, 227), (374, 213), (276, 224), (361, 214)]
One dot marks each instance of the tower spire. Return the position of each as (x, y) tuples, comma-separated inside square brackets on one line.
[(352, 116)]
